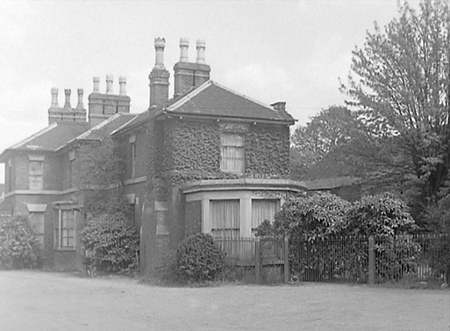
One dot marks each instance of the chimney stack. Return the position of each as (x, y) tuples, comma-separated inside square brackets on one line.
[(201, 51), (54, 97), (123, 86), (80, 99), (109, 84), (159, 77), (189, 75), (96, 85), (160, 44), (67, 103), (279, 106), (184, 45)]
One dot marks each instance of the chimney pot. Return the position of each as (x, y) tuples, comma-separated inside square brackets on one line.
[(109, 84), (96, 84), (80, 99), (160, 44), (184, 45), (122, 84), (67, 103), (54, 97), (201, 51)]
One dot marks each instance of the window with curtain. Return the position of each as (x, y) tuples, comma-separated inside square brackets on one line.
[(263, 210), (36, 175), (232, 153), (65, 229), (37, 225), (225, 218), (133, 159)]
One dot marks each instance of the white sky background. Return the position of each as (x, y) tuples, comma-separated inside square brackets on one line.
[(291, 51)]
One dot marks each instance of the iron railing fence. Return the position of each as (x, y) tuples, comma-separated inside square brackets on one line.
[(339, 259), (365, 260)]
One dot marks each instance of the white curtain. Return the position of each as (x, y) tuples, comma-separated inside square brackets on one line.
[(225, 218), (232, 153), (263, 210)]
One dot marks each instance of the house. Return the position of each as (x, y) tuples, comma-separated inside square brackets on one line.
[(207, 160)]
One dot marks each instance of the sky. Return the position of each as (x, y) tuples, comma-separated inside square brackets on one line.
[(292, 51)]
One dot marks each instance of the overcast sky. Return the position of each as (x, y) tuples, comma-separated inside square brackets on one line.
[(293, 51)]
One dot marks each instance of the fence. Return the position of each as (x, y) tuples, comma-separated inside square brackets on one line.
[(262, 260), (370, 260)]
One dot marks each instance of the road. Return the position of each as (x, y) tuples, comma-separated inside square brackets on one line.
[(42, 301)]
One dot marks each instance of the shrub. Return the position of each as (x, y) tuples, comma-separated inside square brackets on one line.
[(199, 258), (19, 248), (113, 242)]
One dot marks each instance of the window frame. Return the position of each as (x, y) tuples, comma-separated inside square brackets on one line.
[(238, 150), (235, 212), (35, 176), (62, 234)]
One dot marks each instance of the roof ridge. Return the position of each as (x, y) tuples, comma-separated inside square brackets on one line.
[(37, 134)]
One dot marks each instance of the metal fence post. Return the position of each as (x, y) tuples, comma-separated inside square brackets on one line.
[(258, 260), (286, 260), (371, 261)]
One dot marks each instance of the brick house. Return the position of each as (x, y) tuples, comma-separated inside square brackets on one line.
[(207, 160)]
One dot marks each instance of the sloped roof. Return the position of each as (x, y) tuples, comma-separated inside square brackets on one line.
[(107, 127), (213, 99), (51, 137), (137, 120)]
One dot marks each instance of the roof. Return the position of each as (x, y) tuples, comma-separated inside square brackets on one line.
[(106, 127), (213, 99), (137, 120), (51, 137)]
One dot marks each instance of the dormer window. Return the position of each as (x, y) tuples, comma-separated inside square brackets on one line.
[(232, 153)]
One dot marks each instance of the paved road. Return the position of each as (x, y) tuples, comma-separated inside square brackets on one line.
[(39, 301)]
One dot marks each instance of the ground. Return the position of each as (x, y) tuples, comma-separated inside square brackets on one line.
[(38, 301)]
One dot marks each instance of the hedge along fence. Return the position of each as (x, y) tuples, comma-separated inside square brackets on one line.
[(371, 259)]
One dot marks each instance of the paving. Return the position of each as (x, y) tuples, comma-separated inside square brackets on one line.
[(34, 300)]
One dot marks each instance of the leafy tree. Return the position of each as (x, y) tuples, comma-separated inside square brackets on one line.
[(400, 82), (331, 128), (19, 247)]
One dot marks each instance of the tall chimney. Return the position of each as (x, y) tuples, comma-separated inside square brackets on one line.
[(80, 99), (160, 44), (123, 86), (109, 84), (54, 97), (96, 85), (189, 75), (67, 103), (184, 45), (159, 77), (201, 51)]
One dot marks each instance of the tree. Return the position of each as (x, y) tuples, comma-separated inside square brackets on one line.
[(331, 128), (98, 172), (400, 82)]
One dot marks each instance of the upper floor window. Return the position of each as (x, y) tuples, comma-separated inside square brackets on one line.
[(232, 153), (71, 160), (132, 141), (36, 172), (9, 179)]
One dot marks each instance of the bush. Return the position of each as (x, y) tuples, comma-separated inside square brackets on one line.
[(113, 243), (199, 258), (19, 248)]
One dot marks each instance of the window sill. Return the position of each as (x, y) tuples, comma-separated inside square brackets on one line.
[(65, 249)]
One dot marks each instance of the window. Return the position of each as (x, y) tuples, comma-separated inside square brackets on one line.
[(37, 225), (71, 160), (225, 218), (263, 210), (65, 229), (232, 153), (9, 179), (36, 175), (132, 141)]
